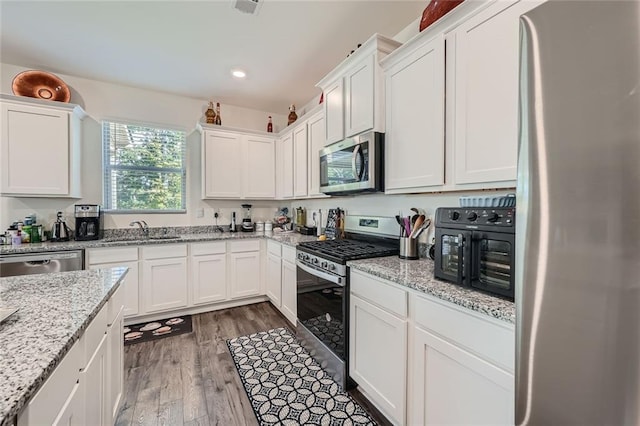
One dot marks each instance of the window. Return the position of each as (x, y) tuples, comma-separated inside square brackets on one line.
[(144, 168)]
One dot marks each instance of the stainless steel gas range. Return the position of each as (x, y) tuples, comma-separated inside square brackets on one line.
[(323, 288)]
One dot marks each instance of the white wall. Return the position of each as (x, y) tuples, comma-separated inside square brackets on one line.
[(106, 100)]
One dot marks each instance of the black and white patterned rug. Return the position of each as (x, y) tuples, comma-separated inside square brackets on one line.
[(286, 386)]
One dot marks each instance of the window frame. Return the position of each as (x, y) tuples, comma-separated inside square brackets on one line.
[(107, 168)]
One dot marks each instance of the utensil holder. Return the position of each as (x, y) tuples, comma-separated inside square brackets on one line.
[(408, 248)]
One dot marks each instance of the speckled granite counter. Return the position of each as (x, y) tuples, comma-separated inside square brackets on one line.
[(289, 238), (54, 311), (418, 275)]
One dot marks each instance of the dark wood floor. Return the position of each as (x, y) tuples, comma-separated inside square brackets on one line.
[(190, 379)]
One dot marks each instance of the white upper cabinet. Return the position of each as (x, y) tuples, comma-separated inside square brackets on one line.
[(300, 161), (40, 148), (259, 167), (316, 141), (354, 92), (414, 140), (221, 161), (237, 165), (483, 74), (287, 165)]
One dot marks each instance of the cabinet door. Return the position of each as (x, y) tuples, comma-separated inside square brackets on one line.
[(378, 338), (35, 150), (300, 161), (245, 274), (259, 167), (164, 284), (287, 166), (130, 284), (96, 387), (334, 112), (289, 292), (208, 278), (115, 367), (451, 386), (315, 142), (415, 120), (359, 97), (73, 413), (274, 279), (221, 165), (484, 72)]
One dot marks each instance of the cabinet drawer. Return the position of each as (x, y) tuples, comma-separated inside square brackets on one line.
[(164, 251), (289, 253), (242, 246), (219, 247), (485, 337), (384, 295), (274, 248), (111, 255), (93, 334)]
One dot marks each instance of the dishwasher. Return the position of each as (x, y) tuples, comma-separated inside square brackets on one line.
[(41, 263)]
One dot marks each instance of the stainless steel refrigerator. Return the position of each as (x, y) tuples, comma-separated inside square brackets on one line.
[(578, 215)]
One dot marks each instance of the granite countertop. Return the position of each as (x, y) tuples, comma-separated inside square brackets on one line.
[(54, 310), (289, 238), (418, 275)]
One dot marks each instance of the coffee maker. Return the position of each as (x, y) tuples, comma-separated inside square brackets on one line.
[(89, 222)]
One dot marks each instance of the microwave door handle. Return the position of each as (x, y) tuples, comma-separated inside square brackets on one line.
[(461, 250), (357, 152)]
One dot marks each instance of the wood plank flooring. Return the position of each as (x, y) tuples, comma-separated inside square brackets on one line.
[(190, 379)]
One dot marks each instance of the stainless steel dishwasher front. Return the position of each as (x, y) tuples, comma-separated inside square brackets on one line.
[(40, 263)]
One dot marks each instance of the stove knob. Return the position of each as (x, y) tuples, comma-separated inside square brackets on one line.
[(324, 265), (314, 260), (454, 215), (305, 257), (332, 267), (472, 216), (300, 255), (493, 217)]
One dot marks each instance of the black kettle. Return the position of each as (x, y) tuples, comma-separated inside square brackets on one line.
[(60, 231)]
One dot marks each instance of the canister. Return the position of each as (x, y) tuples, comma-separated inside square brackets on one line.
[(408, 248)]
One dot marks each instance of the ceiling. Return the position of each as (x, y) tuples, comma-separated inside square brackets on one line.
[(189, 47)]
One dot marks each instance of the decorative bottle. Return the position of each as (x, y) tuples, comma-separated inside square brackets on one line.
[(292, 114), (218, 119), (210, 114), (270, 125)]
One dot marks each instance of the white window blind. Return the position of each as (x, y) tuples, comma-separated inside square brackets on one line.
[(144, 168)]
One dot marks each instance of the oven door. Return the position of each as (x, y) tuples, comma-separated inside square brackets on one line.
[(493, 265), (321, 305), (453, 255)]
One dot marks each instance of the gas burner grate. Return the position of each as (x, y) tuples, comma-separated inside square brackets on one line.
[(349, 249)]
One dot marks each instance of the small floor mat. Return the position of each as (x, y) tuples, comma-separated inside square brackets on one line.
[(153, 330), (286, 386)]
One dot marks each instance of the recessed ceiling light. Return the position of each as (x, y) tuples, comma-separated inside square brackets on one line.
[(238, 73)]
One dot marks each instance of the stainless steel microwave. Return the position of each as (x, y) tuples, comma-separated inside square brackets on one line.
[(353, 165)]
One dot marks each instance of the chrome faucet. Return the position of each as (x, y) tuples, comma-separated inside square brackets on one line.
[(143, 227)]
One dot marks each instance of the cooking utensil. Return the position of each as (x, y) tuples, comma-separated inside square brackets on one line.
[(417, 226), (424, 226), (407, 226)]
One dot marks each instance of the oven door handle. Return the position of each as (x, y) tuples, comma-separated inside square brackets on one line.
[(461, 253), (324, 275)]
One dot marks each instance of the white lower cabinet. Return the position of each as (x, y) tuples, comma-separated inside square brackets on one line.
[(378, 343), (289, 285), (95, 375), (86, 386), (274, 279), (112, 257), (208, 264), (244, 268), (423, 361), (452, 386), (164, 277)]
